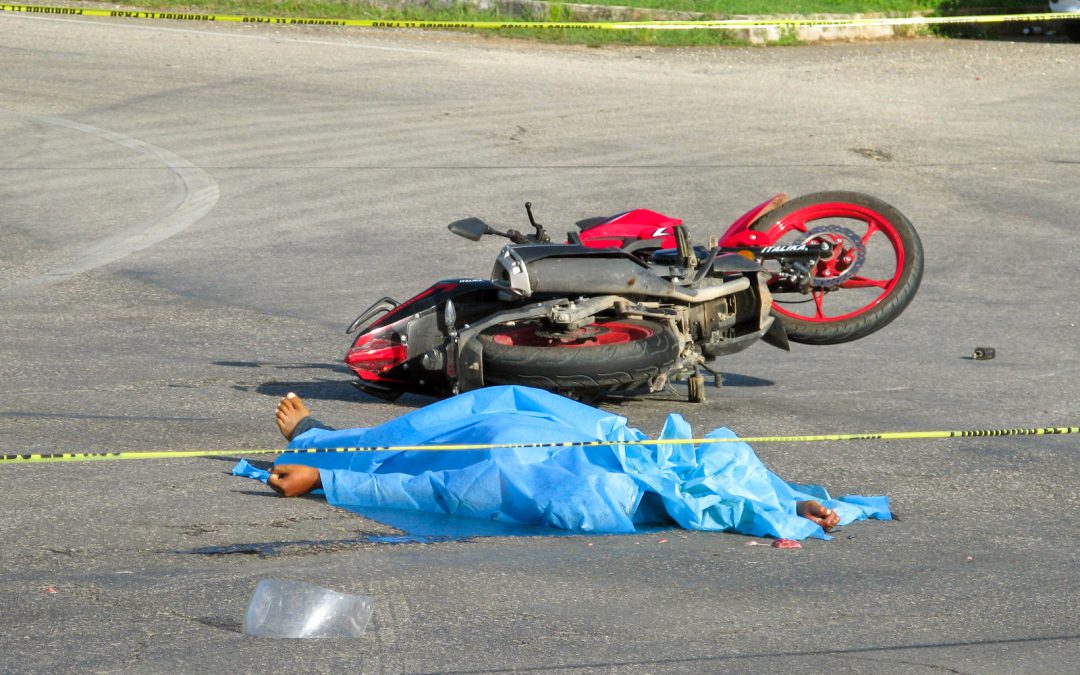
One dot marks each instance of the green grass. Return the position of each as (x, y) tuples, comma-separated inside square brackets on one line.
[(354, 9), (322, 10), (654, 38), (727, 7)]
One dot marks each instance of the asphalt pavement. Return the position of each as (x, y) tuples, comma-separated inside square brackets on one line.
[(191, 214)]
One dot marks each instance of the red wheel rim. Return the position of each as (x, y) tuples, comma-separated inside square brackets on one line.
[(878, 229), (598, 335)]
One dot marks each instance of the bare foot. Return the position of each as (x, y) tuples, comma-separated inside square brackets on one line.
[(290, 410), (815, 512), (293, 480)]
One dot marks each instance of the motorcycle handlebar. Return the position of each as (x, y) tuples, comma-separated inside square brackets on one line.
[(517, 237)]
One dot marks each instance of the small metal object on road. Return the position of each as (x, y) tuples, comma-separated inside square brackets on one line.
[(983, 353)]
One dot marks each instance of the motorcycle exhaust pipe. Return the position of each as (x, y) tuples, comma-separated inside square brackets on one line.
[(600, 276)]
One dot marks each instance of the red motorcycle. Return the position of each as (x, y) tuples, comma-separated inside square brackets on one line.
[(627, 302)]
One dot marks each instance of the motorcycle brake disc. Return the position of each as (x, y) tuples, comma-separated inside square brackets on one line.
[(842, 239)]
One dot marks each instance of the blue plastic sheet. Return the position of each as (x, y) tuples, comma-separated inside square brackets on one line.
[(609, 488)]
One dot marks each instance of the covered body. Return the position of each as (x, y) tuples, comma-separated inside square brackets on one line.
[(607, 488)]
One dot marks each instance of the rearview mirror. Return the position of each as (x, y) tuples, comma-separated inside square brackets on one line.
[(470, 228)]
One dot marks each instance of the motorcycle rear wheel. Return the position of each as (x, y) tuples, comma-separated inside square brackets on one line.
[(615, 355), (872, 279)]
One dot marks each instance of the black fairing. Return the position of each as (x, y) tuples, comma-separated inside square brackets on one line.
[(532, 252), (437, 294)]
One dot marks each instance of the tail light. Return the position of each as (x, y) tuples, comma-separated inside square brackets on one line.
[(375, 353)]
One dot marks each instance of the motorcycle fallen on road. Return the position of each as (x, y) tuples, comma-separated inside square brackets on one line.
[(628, 302)]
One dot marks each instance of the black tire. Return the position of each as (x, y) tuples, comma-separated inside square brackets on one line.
[(853, 208), (584, 367)]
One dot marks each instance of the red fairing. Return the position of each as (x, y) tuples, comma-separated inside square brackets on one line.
[(641, 224), (629, 227), (740, 234)]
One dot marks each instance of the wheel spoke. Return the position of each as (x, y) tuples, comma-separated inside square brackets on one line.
[(799, 226), (871, 229), (862, 282), (819, 298), (593, 335)]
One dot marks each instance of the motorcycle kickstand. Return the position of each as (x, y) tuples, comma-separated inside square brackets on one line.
[(718, 377)]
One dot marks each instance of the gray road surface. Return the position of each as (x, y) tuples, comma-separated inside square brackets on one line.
[(191, 214)]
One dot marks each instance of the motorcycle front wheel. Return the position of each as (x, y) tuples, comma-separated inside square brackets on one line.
[(608, 355), (868, 281)]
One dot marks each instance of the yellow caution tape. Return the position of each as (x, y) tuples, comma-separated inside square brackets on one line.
[(882, 436), (497, 25)]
